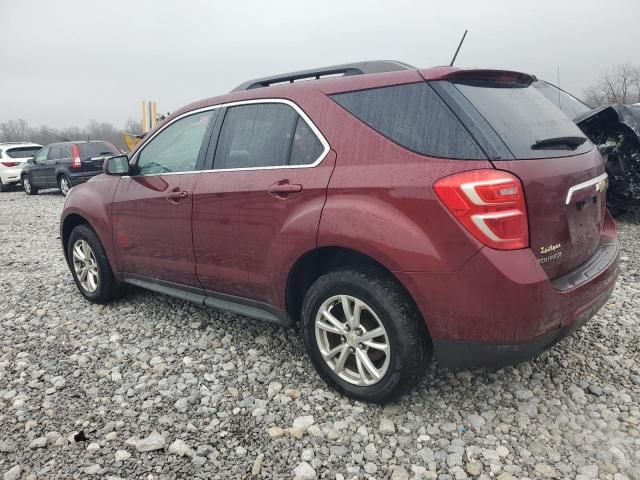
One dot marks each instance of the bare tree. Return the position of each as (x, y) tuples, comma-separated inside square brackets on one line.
[(621, 84), (133, 126)]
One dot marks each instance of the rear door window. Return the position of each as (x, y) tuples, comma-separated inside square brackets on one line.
[(415, 117), (55, 153), (306, 147), (524, 119), (255, 136)]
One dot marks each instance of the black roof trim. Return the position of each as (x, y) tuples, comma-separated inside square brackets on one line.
[(359, 68)]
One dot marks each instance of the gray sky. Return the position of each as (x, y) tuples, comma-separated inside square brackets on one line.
[(65, 62)]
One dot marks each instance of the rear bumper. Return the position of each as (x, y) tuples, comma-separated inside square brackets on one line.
[(80, 177), (500, 308), (453, 354), (10, 175)]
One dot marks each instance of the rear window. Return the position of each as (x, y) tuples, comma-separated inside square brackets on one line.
[(522, 117), (22, 152), (415, 117), (96, 149), (570, 105)]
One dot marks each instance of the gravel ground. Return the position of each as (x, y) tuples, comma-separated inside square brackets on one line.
[(152, 387)]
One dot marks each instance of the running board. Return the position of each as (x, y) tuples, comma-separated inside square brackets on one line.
[(222, 301)]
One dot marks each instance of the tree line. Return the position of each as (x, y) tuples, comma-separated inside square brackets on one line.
[(20, 131), (620, 84)]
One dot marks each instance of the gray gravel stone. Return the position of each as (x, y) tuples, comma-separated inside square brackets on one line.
[(304, 471), (13, 473), (154, 441)]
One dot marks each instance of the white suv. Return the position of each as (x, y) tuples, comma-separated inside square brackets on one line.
[(13, 156)]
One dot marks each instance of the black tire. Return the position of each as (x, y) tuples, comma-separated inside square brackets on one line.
[(64, 190), (3, 187), (28, 187), (108, 287), (406, 332)]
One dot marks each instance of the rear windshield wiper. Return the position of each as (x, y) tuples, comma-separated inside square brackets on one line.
[(553, 143)]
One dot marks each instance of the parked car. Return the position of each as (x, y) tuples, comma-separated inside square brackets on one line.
[(13, 156), (615, 129), (384, 210), (64, 165)]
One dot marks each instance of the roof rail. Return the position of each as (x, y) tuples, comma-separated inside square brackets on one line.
[(359, 68)]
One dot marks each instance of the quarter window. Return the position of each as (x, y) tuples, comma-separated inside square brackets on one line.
[(265, 135), (175, 148), (413, 116)]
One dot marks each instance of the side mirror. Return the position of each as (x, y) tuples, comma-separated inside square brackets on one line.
[(118, 165)]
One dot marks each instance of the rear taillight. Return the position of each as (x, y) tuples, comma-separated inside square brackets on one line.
[(75, 154), (490, 204), (10, 164)]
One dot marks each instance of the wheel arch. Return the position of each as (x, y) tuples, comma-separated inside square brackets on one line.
[(70, 222), (311, 265)]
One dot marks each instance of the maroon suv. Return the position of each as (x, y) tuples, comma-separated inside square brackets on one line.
[(384, 209)]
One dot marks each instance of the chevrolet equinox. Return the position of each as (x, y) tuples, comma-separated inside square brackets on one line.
[(388, 211)]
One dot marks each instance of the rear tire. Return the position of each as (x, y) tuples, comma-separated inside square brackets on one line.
[(90, 266), (384, 308), (64, 184), (3, 187), (28, 187)]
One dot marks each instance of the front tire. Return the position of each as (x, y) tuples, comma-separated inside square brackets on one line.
[(364, 335), (28, 187), (90, 266)]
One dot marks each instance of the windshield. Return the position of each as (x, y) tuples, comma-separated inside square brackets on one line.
[(525, 120), (569, 104), (22, 152)]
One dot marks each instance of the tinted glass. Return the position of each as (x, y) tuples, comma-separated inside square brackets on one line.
[(55, 153), (522, 116), (176, 148), (96, 149), (415, 117), (570, 105), (256, 136), (306, 147), (22, 152)]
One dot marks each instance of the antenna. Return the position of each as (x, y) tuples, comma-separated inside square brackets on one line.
[(458, 49), (559, 97)]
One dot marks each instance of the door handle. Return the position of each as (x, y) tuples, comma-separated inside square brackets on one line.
[(283, 189), (175, 197)]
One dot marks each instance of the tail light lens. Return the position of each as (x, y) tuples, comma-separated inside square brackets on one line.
[(10, 164), (75, 155), (490, 204)]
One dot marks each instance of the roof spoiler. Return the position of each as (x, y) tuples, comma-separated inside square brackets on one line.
[(497, 76), (359, 68)]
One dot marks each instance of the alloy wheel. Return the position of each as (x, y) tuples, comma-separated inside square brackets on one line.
[(64, 186), (352, 340), (26, 184), (85, 266)]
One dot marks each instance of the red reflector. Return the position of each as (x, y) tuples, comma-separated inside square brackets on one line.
[(10, 164), (490, 204), (75, 154)]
